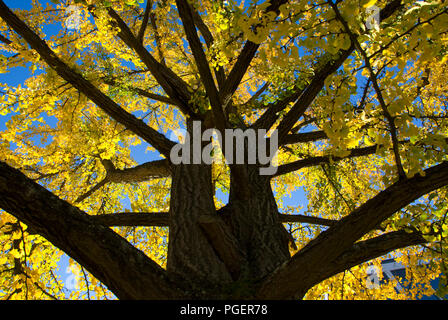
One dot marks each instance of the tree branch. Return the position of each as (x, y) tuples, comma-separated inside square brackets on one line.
[(202, 27), (172, 84), (299, 218), (389, 118), (186, 16), (96, 187), (137, 126), (125, 270), (258, 93), (314, 161), (244, 59), (162, 219), (364, 251), (145, 93), (305, 267), (208, 37), (149, 15), (269, 117), (155, 96), (144, 172), (5, 40), (310, 92), (304, 137), (134, 219), (224, 242), (144, 25)]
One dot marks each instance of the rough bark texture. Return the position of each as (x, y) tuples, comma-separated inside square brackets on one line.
[(114, 261), (191, 199), (303, 270), (256, 225), (239, 251)]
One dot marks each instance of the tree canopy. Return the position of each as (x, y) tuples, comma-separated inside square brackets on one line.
[(354, 89)]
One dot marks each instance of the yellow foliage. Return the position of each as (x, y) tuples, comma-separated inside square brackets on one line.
[(59, 138)]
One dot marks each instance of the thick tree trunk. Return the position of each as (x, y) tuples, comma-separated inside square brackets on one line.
[(191, 257), (229, 252), (256, 225), (194, 257), (124, 269)]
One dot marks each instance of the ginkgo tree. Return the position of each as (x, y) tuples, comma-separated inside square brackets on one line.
[(354, 90)]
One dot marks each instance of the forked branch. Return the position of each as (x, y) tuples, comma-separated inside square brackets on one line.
[(366, 250), (144, 172), (137, 126), (305, 267), (124, 269), (171, 83), (244, 59), (314, 161), (186, 16), (379, 94)]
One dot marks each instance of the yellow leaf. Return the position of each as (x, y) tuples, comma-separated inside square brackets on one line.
[(344, 42), (370, 3), (15, 253), (17, 235), (444, 59)]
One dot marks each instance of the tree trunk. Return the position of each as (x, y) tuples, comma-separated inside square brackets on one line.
[(261, 238), (190, 255), (225, 253), (256, 225)]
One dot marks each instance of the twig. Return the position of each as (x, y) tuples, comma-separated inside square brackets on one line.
[(390, 119)]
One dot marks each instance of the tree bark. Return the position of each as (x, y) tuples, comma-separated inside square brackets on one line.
[(304, 269), (125, 270), (191, 256), (241, 251), (256, 224)]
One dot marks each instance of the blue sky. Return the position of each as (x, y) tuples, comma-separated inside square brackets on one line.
[(18, 76)]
